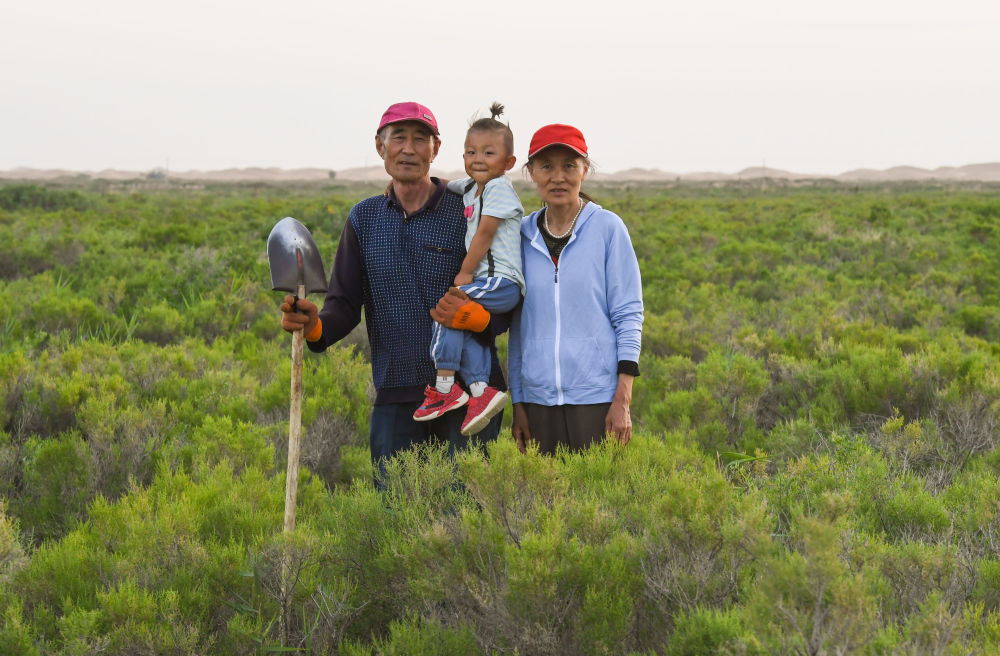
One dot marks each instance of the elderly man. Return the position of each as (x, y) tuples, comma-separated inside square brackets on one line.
[(397, 257)]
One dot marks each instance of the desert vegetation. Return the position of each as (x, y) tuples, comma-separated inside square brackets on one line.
[(814, 471)]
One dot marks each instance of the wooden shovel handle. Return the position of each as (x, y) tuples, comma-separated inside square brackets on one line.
[(294, 426)]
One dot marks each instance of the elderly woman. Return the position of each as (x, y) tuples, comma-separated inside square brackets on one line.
[(574, 344)]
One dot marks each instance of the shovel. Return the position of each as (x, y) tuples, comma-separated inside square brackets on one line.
[(296, 267)]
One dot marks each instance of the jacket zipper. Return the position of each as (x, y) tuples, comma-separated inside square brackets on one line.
[(558, 371), (560, 398)]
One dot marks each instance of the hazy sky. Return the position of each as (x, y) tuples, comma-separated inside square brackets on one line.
[(703, 85)]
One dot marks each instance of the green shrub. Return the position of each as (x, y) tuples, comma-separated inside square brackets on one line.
[(814, 466), (809, 601), (417, 637), (56, 485), (16, 635), (704, 632), (915, 571), (12, 553), (32, 196)]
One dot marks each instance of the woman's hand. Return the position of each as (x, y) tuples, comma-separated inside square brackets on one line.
[(463, 279), (520, 428), (618, 422)]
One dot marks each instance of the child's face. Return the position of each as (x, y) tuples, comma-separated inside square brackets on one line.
[(486, 157)]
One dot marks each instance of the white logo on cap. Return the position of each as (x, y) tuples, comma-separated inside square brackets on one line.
[(428, 117)]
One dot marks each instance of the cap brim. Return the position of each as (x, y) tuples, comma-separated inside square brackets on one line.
[(414, 120), (558, 143)]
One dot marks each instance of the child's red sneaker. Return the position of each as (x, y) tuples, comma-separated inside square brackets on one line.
[(436, 404), (482, 409)]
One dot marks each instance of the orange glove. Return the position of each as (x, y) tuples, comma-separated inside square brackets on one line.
[(456, 310)]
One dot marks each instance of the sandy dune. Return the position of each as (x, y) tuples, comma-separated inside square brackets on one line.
[(988, 172)]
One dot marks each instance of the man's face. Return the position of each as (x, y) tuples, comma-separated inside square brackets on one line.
[(407, 148)]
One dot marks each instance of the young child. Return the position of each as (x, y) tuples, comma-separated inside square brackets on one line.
[(491, 274)]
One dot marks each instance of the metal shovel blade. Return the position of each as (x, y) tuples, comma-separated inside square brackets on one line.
[(294, 258)]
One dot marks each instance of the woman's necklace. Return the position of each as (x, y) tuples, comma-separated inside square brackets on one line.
[(545, 221)]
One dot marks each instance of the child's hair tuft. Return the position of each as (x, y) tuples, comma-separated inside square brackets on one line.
[(491, 124)]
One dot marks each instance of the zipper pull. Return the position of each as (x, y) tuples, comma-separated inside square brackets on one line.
[(557, 274)]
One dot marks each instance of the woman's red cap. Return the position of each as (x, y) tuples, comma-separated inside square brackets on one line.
[(557, 134)]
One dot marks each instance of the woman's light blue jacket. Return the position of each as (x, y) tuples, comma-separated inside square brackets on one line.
[(579, 319)]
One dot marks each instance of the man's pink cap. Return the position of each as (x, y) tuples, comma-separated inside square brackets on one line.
[(408, 111), (557, 134)]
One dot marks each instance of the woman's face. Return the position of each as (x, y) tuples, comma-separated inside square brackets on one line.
[(558, 173)]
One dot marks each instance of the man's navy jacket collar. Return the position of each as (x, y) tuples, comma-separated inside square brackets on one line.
[(440, 188)]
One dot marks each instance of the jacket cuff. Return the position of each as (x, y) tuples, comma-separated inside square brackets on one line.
[(628, 367)]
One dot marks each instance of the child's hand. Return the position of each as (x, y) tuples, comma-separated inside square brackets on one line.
[(463, 279)]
